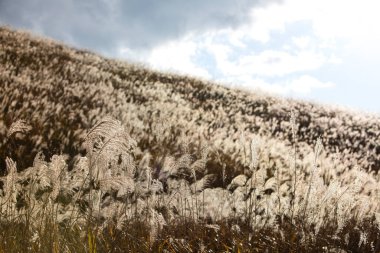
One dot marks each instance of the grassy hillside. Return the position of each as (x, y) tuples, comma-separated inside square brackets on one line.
[(191, 137), (61, 92)]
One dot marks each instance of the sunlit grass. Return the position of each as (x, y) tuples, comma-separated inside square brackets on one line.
[(102, 156)]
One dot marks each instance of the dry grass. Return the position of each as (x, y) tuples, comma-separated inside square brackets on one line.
[(153, 162), (61, 92)]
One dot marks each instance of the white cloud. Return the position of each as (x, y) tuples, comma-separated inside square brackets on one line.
[(177, 56), (279, 63), (249, 83), (305, 84), (354, 22), (333, 59), (272, 18), (246, 68), (238, 61), (299, 86), (302, 42)]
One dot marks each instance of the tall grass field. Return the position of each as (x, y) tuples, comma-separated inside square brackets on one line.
[(101, 155)]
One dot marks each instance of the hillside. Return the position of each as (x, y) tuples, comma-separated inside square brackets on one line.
[(240, 154), (62, 91)]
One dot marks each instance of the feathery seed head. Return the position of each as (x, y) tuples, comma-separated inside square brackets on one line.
[(318, 147), (56, 167), (10, 180), (293, 123), (107, 143), (20, 126), (204, 151), (255, 145)]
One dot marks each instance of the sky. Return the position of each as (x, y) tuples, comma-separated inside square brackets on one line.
[(325, 51)]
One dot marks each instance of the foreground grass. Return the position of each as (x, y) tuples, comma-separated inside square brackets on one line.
[(187, 236), (309, 216)]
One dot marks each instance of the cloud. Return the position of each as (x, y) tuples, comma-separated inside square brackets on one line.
[(302, 42), (107, 25), (274, 63), (178, 56), (223, 56), (352, 22), (305, 84), (298, 86)]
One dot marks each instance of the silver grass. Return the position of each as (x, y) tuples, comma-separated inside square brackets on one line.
[(322, 194), (20, 126), (258, 179), (242, 143), (109, 133), (106, 142), (39, 160), (199, 166), (293, 124), (145, 160), (317, 150), (184, 143), (156, 186), (123, 185), (363, 239), (160, 126), (202, 184), (10, 181), (205, 150), (57, 166), (78, 176), (255, 145), (170, 165), (271, 183), (156, 221), (184, 161), (377, 217)]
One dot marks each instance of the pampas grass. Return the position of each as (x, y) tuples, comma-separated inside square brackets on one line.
[(113, 157), (318, 210), (20, 126)]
